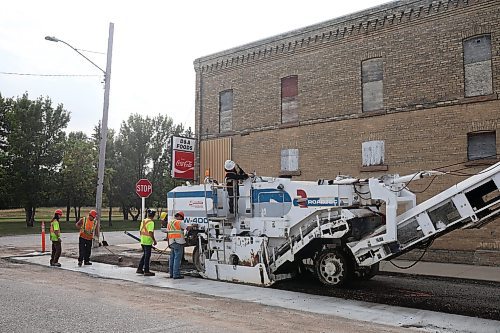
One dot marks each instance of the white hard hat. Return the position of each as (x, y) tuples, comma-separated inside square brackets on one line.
[(229, 165)]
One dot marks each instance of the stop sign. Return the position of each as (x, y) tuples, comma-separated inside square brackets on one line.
[(143, 188)]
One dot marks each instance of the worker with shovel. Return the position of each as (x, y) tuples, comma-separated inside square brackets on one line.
[(147, 242), (87, 227)]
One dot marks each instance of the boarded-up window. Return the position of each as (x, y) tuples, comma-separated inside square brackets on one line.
[(289, 99), (225, 111), (289, 160), (481, 145), (477, 66), (372, 75), (373, 153)]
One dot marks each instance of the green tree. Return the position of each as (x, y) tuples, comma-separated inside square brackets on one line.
[(5, 198), (161, 159), (132, 157), (142, 151), (78, 173), (36, 143)]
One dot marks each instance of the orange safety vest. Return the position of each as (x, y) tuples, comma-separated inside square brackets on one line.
[(174, 229), (87, 229)]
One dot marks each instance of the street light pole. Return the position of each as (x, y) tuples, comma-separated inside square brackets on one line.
[(104, 123)]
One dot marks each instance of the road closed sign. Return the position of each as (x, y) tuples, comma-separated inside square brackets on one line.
[(144, 188)]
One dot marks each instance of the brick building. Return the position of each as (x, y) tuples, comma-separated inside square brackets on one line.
[(406, 86)]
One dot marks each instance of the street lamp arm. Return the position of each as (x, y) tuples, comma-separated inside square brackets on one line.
[(54, 39)]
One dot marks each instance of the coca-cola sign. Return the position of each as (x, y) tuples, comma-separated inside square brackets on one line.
[(183, 158)]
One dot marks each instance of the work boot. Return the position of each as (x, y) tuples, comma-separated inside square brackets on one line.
[(178, 277), (57, 264), (87, 263), (139, 271), (79, 264), (51, 263), (149, 274)]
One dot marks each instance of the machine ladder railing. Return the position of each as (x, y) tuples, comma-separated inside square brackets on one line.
[(325, 223)]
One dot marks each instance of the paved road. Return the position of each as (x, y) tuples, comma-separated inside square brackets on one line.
[(455, 296)]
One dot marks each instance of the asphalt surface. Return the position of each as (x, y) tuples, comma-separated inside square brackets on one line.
[(466, 297)]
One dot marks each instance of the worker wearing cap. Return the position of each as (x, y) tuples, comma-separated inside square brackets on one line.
[(147, 231), (87, 227), (233, 174), (175, 231), (164, 222), (55, 237)]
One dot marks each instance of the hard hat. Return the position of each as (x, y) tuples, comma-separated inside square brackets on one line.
[(163, 215), (229, 165), (93, 213), (180, 213), (58, 211), (151, 212)]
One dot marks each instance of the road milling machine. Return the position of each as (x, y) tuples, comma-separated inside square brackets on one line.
[(338, 229)]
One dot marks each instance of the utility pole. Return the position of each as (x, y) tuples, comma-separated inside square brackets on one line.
[(104, 135), (104, 124)]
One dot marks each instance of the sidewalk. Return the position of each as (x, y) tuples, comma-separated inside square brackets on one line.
[(486, 273)]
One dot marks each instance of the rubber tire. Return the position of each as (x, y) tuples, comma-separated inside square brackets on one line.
[(333, 268), (199, 264)]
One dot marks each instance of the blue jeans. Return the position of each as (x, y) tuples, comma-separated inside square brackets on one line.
[(174, 264), (146, 256)]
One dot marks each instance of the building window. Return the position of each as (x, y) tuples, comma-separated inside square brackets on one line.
[(290, 162), (373, 158), (289, 99), (372, 75), (477, 66), (225, 111), (481, 145), (373, 153)]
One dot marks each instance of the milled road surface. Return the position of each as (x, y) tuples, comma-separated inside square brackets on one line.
[(36, 298), (457, 296)]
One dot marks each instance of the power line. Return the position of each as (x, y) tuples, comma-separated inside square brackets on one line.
[(56, 75)]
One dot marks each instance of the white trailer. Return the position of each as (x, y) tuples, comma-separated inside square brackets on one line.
[(339, 229)]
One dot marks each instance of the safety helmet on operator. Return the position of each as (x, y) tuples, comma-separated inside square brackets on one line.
[(93, 213), (58, 211), (180, 213), (163, 215), (229, 165), (151, 212)]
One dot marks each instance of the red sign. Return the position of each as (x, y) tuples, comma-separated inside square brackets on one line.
[(143, 188), (182, 164)]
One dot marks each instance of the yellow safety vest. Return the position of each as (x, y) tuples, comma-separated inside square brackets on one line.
[(146, 239), (54, 226)]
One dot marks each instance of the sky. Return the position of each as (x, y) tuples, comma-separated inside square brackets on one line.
[(154, 46)]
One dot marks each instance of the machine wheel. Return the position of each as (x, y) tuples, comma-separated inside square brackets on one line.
[(333, 267), (199, 258)]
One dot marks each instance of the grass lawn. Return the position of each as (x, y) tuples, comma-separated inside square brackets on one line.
[(12, 222)]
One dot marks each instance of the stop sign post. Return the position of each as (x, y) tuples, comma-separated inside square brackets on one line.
[(143, 188)]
